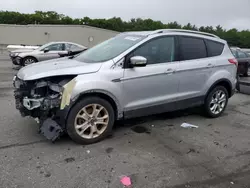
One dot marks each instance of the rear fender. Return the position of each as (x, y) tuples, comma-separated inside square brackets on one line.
[(219, 77)]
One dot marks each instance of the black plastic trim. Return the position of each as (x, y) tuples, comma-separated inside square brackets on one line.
[(165, 107)]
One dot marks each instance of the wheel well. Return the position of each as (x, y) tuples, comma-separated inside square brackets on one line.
[(224, 83), (103, 96), (30, 57)]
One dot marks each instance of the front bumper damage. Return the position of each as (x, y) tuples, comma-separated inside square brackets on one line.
[(16, 60), (45, 100)]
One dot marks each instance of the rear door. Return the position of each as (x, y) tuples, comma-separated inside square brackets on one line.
[(194, 68)]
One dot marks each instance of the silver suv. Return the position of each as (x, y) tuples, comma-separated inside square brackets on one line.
[(133, 74)]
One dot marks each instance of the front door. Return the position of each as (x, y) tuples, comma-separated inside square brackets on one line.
[(52, 53), (151, 89)]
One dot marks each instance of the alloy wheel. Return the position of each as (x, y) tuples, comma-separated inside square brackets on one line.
[(29, 61), (218, 102), (91, 121)]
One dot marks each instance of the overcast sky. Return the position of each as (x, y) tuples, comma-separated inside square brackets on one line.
[(228, 13)]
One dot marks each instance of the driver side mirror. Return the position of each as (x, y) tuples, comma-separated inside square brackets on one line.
[(46, 50), (138, 61)]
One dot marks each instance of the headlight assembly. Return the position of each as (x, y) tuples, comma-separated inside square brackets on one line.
[(16, 82)]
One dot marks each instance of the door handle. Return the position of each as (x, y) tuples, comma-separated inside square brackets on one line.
[(169, 71), (210, 65)]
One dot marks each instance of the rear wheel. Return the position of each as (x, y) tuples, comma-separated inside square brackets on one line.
[(90, 120), (29, 60), (216, 101)]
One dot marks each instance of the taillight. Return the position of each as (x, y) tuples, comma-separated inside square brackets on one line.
[(233, 61)]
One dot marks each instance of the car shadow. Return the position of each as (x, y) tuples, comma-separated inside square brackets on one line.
[(163, 116)]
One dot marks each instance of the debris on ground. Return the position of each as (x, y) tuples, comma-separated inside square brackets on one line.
[(69, 160), (187, 125), (191, 150), (47, 175), (88, 151), (216, 143), (152, 125), (232, 182), (125, 180)]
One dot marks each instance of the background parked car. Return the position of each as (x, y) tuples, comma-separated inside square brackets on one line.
[(20, 47), (48, 51), (247, 50), (243, 60)]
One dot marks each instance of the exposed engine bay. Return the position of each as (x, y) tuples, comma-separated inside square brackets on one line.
[(41, 99)]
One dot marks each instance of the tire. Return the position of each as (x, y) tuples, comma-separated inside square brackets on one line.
[(28, 60), (75, 128), (211, 110)]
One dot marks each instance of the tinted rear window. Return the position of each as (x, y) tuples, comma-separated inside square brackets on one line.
[(192, 48), (214, 48)]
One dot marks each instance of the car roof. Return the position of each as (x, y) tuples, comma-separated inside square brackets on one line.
[(177, 32), (56, 42)]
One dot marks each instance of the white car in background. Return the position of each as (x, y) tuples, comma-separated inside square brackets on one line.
[(247, 50), (48, 51), (20, 47)]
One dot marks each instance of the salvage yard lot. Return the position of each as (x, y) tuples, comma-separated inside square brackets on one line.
[(155, 152)]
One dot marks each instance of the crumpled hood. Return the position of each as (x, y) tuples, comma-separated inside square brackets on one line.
[(57, 67)]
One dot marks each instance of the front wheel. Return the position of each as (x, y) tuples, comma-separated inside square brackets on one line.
[(29, 60), (90, 120), (216, 101)]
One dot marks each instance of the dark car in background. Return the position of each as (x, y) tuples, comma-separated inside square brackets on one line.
[(243, 60)]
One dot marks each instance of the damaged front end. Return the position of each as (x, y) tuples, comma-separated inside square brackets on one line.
[(43, 99)]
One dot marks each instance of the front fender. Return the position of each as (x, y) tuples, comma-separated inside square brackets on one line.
[(86, 84)]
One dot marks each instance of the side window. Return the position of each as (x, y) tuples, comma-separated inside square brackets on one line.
[(192, 48), (75, 48), (160, 50), (241, 54), (214, 48), (56, 47)]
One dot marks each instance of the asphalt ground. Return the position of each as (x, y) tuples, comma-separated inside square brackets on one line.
[(154, 151)]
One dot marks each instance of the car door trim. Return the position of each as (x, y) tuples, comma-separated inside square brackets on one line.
[(144, 76)]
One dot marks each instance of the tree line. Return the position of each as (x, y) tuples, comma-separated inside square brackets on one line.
[(232, 36)]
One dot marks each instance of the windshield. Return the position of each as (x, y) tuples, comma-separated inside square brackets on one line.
[(108, 49)]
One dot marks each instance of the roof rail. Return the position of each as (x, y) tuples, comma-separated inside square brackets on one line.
[(184, 31)]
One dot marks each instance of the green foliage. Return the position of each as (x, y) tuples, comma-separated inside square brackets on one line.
[(233, 36)]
